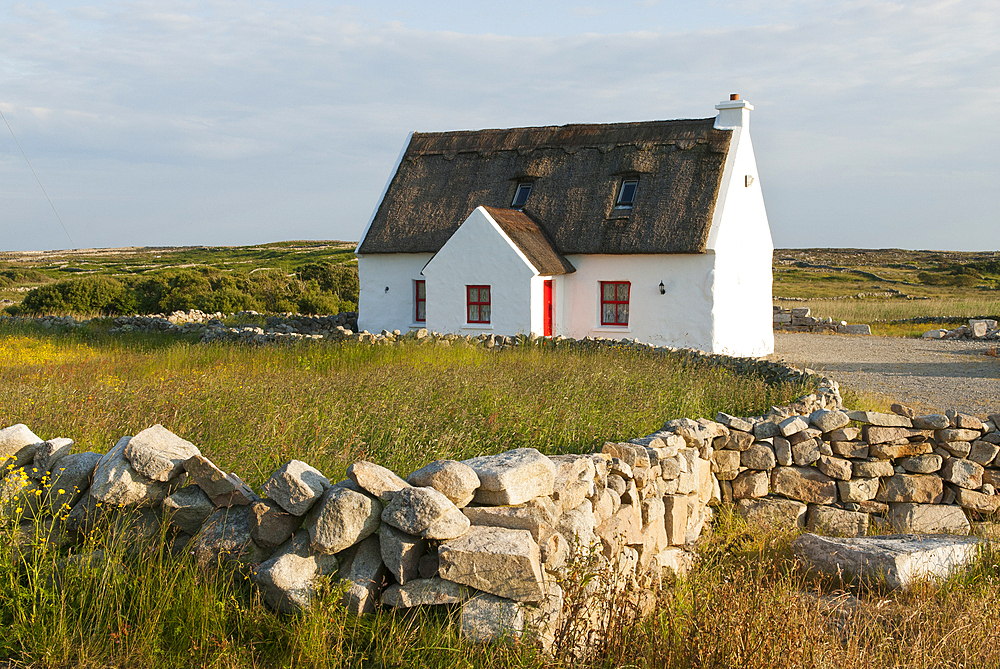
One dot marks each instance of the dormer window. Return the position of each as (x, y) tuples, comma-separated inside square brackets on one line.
[(521, 196), (626, 193)]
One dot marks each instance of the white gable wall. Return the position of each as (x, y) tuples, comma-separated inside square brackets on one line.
[(380, 309), (480, 253), (680, 317), (741, 239)]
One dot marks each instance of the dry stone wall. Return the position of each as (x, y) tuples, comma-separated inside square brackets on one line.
[(798, 319), (518, 538), (499, 535)]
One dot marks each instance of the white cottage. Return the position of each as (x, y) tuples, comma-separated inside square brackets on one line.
[(653, 231)]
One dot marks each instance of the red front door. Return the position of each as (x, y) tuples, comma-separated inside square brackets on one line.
[(547, 307)]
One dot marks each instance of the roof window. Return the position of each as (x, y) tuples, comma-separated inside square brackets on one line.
[(626, 193), (521, 196)]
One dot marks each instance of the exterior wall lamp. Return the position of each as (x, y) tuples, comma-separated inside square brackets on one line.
[(663, 289)]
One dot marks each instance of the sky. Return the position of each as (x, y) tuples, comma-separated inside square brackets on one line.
[(218, 122)]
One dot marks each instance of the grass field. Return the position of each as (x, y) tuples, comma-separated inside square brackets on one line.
[(746, 604)]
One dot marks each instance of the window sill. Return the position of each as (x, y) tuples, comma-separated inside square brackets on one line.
[(613, 328), (477, 326)]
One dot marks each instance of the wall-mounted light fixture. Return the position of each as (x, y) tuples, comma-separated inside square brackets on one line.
[(663, 289)]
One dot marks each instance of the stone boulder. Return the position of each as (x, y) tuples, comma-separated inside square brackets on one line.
[(296, 486), (69, 480), (804, 484), (375, 479), (117, 483), (486, 618), (425, 512), (538, 516), (496, 560), (513, 477), (18, 445), (289, 580), (836, 522), (222, 488), (928, 519), (159, 454), (401, 553), (271, 525), (341, 519), (50, 453), (424, 592), (365, 575), (456, 481), (919, 488), (225, 539), (963, 473), (188, 508), (773, 512)]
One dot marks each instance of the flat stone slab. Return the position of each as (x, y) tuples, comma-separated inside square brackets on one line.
[(502, 562), (898, 560), (513, 477)]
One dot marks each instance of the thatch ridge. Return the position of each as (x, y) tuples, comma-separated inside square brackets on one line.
[(531, 240), (575, 171)]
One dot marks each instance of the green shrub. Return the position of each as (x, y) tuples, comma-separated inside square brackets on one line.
[(329, 291), (341, 279), (86, 295)]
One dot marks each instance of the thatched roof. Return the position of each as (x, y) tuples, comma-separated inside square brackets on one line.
[(528, 237), (575, 171)]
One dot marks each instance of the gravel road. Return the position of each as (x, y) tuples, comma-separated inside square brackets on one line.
[(926, 374)]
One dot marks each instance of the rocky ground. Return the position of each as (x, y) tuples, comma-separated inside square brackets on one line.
[(930, 374)]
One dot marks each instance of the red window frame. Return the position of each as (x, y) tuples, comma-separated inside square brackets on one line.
[(420, 300), (617, 302), (477, 308)]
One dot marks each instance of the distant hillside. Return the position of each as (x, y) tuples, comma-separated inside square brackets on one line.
[(304, 276)]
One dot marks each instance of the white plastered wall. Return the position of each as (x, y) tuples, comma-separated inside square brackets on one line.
[(480, 253), (393, 309), (680, 317), (741, 241)]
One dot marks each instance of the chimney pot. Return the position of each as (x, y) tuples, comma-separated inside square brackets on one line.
[(734, 96)]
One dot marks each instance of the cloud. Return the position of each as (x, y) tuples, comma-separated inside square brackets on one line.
[(177, 122)]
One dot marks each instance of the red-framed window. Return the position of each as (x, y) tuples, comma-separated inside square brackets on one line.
[(614, 302), (478, 303), (420, 301)]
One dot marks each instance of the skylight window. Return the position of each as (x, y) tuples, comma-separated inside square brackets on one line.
[(626, 193), (521, 196)]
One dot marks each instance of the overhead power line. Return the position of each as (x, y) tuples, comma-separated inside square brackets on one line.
[(72, 245)]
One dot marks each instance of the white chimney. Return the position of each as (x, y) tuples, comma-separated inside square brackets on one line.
[(733, 113)]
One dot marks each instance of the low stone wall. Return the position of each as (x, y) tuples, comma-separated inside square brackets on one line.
[(837, 471), (508, 538), (495, 534), (798, 320), (978, 328)]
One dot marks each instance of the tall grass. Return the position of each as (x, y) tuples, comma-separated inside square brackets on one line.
[(251, 409), (116, 602)]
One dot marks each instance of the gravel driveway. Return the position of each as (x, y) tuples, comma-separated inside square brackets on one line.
[(926, 374)]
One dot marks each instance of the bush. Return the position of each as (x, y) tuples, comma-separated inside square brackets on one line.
[(87, 295), (341, 280), (206, 289)]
